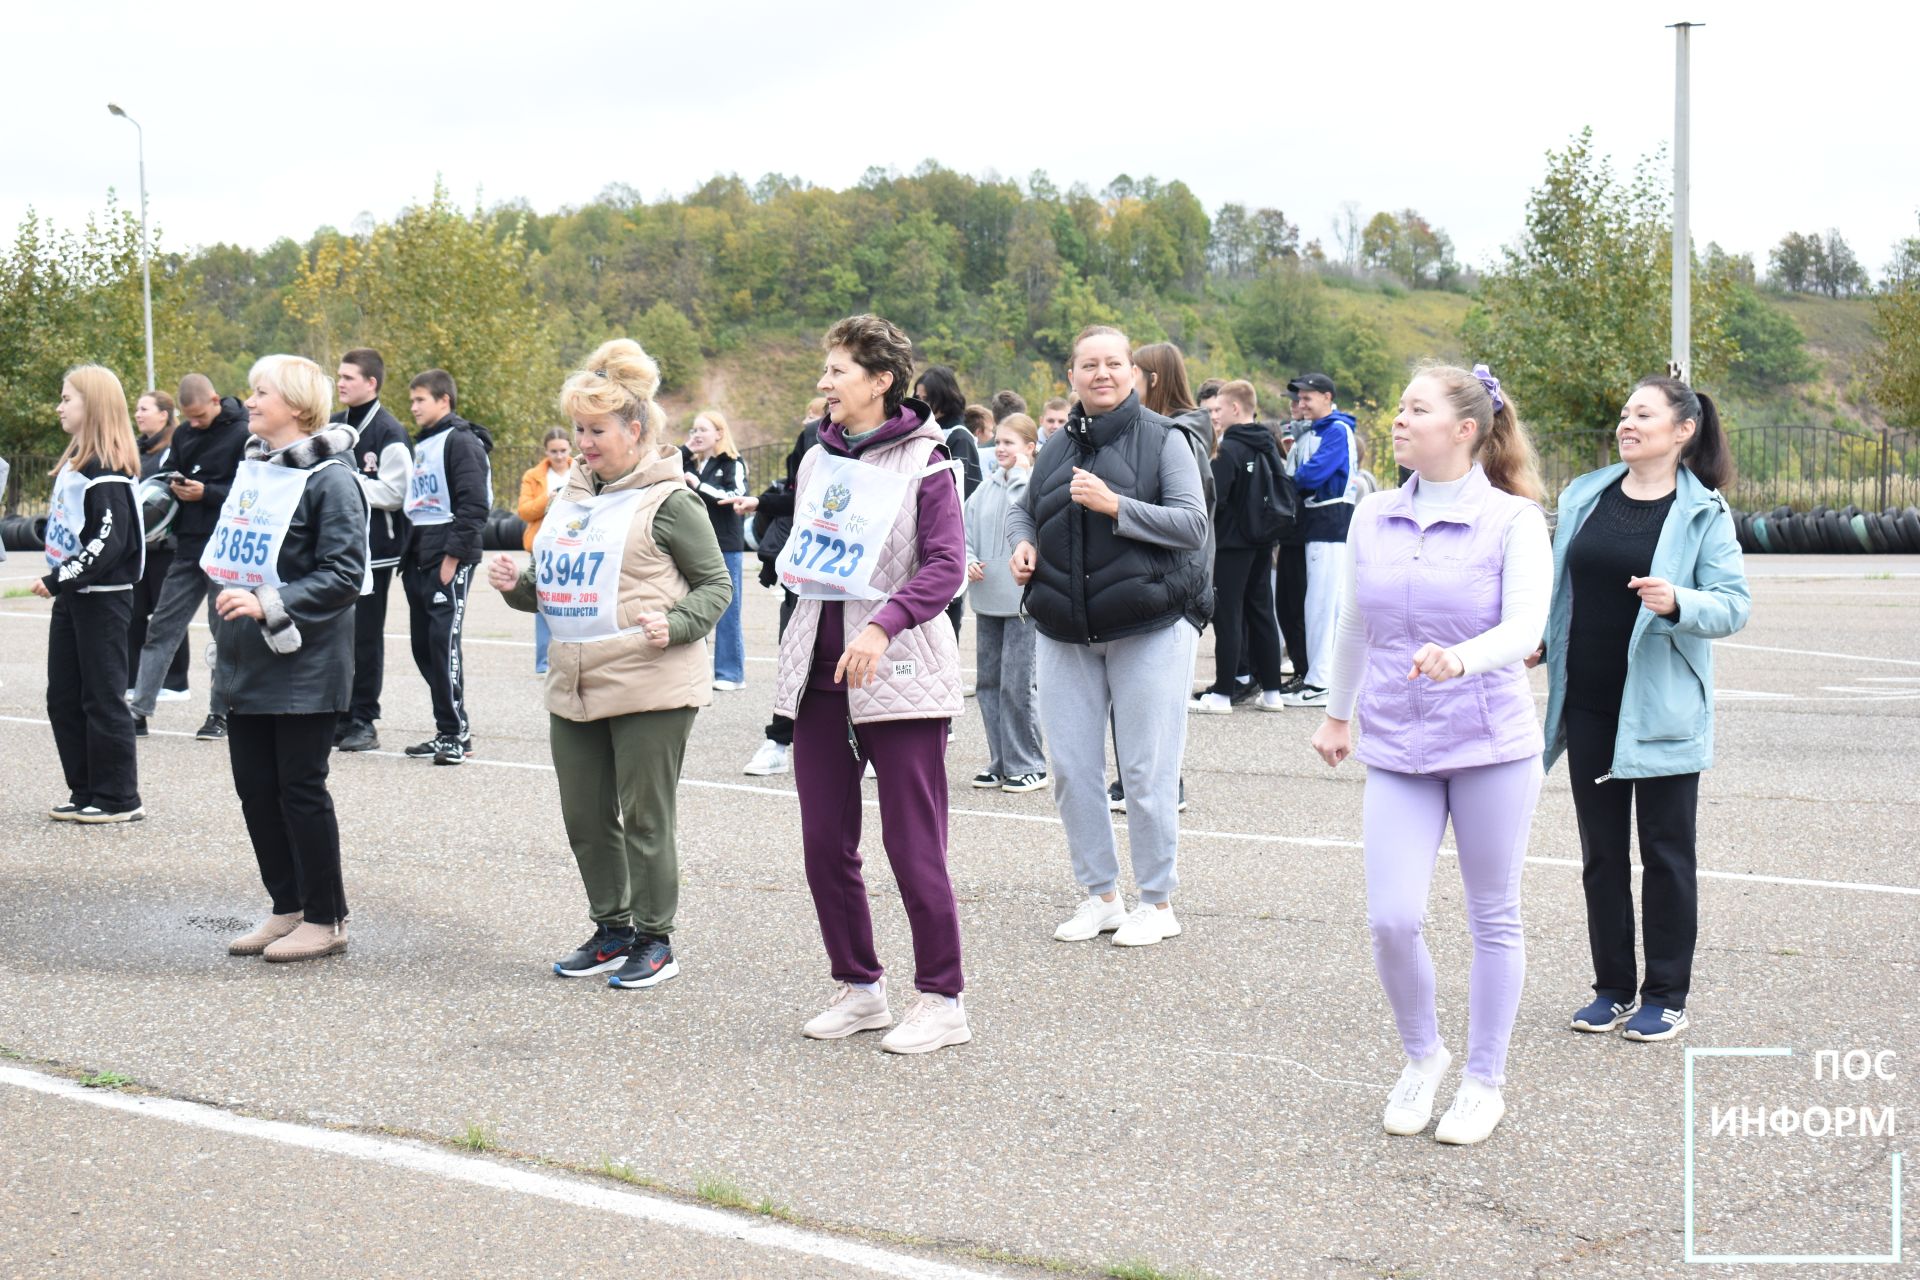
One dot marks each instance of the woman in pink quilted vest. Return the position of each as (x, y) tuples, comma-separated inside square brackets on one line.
[(1444, 595), (870, 672)]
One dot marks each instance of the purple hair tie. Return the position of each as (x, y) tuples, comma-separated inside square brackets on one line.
[(1492, 384)]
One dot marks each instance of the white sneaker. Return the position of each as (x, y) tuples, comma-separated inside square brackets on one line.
[(771, 758), (1211, 704), (1307, 695), (1092, 918), (852, 1009), (1410, 1105), (1476, 1109), (1145, 925), (1271, 700), (729, 686), (931, 1023)]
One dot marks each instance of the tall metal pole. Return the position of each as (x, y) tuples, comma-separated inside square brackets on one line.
[(1681, 360), (146, 270)]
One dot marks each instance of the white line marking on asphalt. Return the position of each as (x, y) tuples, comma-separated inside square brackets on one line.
[(1250, 837), (420, 1158), (1816, 653)]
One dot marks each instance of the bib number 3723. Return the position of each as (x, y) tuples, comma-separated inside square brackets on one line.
[(826, 554)]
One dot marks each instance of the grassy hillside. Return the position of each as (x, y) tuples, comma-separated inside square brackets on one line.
[(1418, 326), (1840, 342)]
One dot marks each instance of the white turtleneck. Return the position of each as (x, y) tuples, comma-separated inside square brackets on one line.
[(1526, 589)]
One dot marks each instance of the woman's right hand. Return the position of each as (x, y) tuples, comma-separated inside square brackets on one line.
[(1022, 563), (1333, 740), (503, 573), (744, 506), (976, 571)]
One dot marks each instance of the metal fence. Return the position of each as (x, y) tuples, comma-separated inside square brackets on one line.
[(1799, 467)]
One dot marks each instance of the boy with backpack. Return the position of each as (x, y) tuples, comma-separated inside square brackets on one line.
[(1254, 508)]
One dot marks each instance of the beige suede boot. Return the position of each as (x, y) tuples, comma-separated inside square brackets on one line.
[(309, 942), (269, 930)]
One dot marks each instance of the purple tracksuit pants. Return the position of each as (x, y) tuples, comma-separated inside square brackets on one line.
[(1405, 816), (910, 766)]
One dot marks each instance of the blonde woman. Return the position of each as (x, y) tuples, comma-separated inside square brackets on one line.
[(630, 579), (715, 470), (289, 560), (95, 554)]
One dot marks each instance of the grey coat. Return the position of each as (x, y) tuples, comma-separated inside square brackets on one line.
[(299, 661)]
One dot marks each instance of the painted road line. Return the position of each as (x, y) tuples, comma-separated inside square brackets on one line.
[(1814, 653), (448, 1166), (1186, 833)]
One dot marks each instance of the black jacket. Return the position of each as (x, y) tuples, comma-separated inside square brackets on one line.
[(210, 455), (962, 445), (470, 486), (382, 442), (720, 477), (1090, 584), (323, 560), (112, 551), (773, 518), (155, 458), (1242, 446)]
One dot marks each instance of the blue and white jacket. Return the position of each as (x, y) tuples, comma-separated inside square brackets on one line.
[(1325, 462)]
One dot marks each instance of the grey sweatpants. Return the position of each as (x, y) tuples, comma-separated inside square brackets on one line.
[(1003, 677), (182, 593), (1143, 680)]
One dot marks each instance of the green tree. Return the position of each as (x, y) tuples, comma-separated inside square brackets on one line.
[(670, 338), (1577, 311), (1773, 351), (438, 288), (1896, 366)]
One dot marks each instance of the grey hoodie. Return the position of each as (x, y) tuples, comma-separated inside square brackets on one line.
[(997, 595)]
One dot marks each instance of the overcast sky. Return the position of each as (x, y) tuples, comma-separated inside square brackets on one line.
[(265, 120)]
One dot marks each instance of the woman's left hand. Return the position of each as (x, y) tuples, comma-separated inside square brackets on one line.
[(1656, 594), (1091, 492), (861, 661), (1436, 664), (235, 603), (657, 631), (40, 589)]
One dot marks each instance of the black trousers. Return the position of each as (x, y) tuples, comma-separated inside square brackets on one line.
[(146, 594), (370, 648), (1664, 810), (1243, 614), (780, 728), (957, 614), (1290, 603), (437, 615), (280, 773), (87, 698)]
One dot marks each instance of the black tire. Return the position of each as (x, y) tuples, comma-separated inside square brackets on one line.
[(1877, 534), (1910, 527)]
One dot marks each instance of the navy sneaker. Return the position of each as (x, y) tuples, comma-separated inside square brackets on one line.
[(651, 961), (1604, 1015), (1654, 1022), (606, 949)]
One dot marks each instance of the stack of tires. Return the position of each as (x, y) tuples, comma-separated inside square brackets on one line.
[(23, 533), (1829, 531), (502, 531)]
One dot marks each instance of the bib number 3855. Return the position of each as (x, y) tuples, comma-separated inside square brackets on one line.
[(242, 546), (825, 554)]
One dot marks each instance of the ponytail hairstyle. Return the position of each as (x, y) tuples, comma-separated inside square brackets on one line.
[(1501, 445), (106, 433), (618, 380), (1708, 454)]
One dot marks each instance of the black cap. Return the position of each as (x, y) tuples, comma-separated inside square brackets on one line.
[(1311, 382)]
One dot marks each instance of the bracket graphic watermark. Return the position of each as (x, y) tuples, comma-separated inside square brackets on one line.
[(1692, 1255)]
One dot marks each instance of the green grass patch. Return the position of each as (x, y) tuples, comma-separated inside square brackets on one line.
[(16, 593), (106, 1080), (1139, 1269), (477, 1137), (725, 1193)]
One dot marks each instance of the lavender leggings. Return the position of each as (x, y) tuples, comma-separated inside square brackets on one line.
[(1406, 814)]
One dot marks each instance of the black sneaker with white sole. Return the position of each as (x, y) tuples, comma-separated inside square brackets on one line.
[(650, 962), (1024, 782), (214, 730), (94, 815), (422, 749), (606, 950), (68, 812), (359, 736), (987, 778), (1604, 1015), (451, 751)]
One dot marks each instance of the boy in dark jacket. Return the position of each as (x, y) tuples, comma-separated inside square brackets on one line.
[(448, 498), (383, 458), (1243, 556), (207, 448)]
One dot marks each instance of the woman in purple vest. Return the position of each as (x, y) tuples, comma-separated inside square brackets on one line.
[(876, 680), (1445, 594)]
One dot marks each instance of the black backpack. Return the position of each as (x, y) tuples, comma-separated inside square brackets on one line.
[(1269, 500)]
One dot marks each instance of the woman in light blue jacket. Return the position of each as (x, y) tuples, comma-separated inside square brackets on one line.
[(1647, 574), (1004, 655)]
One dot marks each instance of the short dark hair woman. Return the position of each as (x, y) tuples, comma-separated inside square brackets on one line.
[(870, 673), (1647, 575), (290, 553)]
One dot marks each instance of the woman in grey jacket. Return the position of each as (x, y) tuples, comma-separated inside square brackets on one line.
[(1004, 644), (290, 554)]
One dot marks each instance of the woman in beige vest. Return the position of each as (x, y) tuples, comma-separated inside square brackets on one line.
[(630, 580)]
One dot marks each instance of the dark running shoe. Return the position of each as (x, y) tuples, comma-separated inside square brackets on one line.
[(214, 730), (139, 726), (450, 751), (358, 737), (650, 962), (987, 778), (420, 750), (1605, 1015), (340, 729), (1245, 691), (1655, 1022), (606, 949)]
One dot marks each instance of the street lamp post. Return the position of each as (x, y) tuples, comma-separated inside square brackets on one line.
[(146, 271), (1682, 356)]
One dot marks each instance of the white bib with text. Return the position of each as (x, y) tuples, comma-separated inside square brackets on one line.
[(576, 565)]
